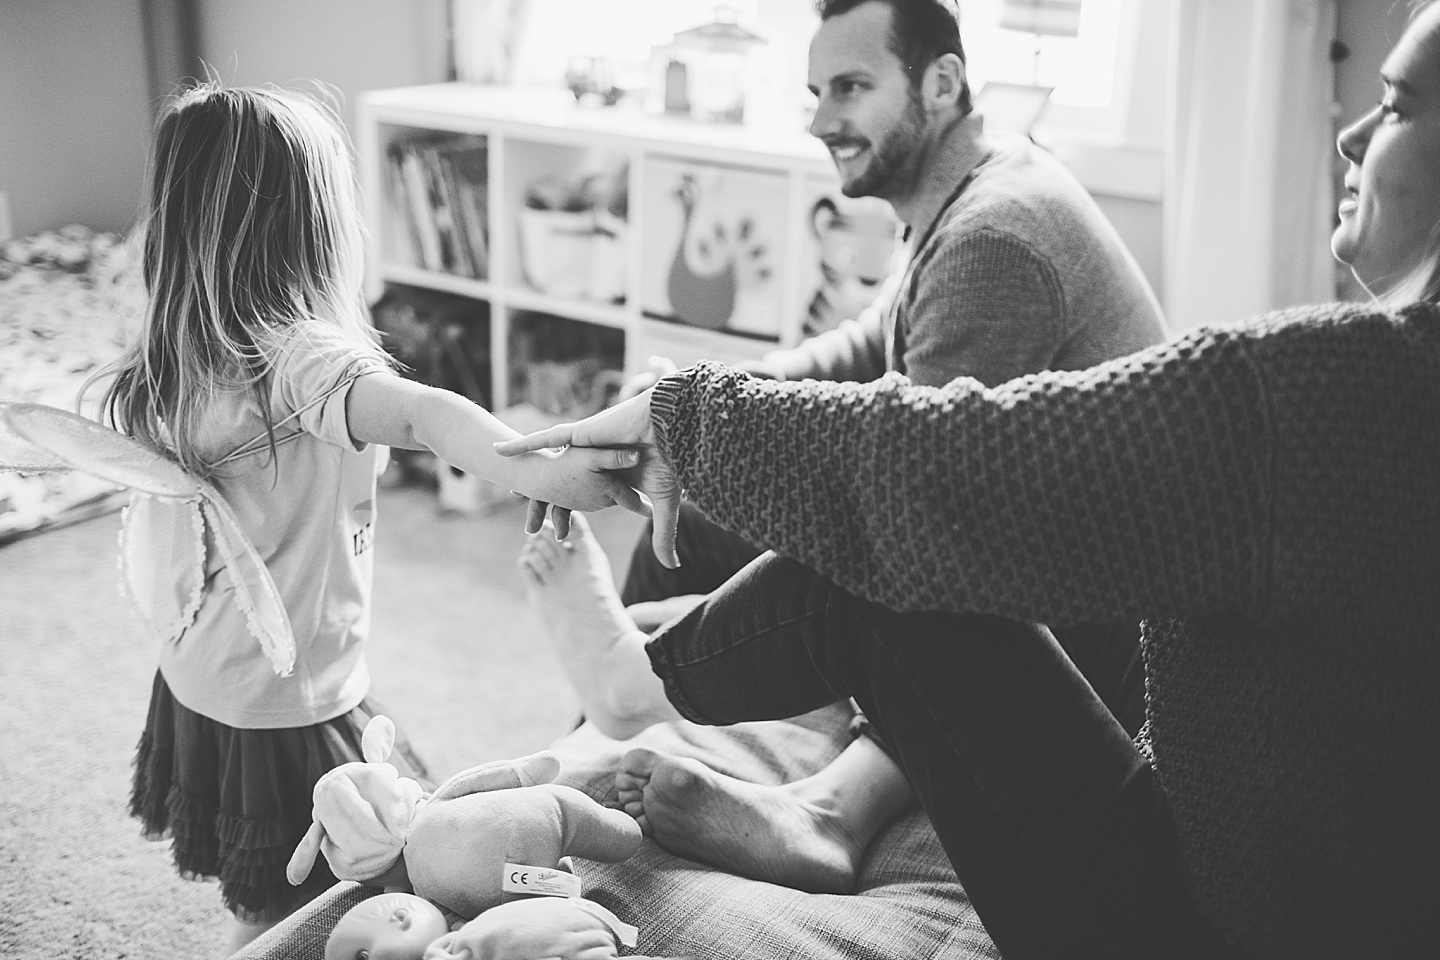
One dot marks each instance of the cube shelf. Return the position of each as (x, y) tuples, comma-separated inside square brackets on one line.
[(671, 237)]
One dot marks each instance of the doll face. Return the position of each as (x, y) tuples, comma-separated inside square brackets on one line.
[(392, 926)]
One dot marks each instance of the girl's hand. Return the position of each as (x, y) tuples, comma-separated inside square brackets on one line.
[(625, 426), (576, 478)]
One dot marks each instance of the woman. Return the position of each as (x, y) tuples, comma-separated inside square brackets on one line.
[(1261, 496)]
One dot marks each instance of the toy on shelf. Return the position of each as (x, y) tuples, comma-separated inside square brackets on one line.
[(572, 235), (856, 248), (486, 836), (714, 236)]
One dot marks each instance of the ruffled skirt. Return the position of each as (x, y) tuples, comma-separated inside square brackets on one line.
[(235, 803)]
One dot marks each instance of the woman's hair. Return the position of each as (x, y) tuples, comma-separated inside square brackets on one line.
[(253, 225)]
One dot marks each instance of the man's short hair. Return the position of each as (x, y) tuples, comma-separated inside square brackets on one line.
[(921, 31)]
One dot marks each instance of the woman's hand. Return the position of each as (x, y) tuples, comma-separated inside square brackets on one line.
[(623, 427), (576, 478)]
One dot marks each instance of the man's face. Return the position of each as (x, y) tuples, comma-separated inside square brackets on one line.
[(869, 115)]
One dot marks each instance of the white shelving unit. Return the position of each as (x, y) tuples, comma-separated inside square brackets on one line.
[(529, 134)]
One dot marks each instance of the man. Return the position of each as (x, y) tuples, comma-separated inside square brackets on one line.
[(1013, 269)]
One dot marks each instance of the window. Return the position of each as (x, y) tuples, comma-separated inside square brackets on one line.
[(622, 31), (1080, 68)]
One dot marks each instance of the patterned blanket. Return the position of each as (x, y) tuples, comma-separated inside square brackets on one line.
[(67, 300)]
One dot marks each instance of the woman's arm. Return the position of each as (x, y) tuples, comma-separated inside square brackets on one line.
[(1138, 488)]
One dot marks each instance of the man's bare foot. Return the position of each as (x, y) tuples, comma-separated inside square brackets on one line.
[(602, 652), (777, 833)]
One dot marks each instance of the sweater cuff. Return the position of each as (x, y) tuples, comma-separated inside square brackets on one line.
[(667, 408)]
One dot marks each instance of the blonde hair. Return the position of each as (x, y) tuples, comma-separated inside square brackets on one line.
[(253, 225)]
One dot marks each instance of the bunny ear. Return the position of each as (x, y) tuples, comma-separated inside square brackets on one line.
[(378, 739), (501, 775), (302, 861)]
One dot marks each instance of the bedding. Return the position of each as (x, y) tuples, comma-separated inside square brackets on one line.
[(67, 300), (907, 902)]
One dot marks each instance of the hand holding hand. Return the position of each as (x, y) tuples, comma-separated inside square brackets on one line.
[(577, 478), (623, 427)]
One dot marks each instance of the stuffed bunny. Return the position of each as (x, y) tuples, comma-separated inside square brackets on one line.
[(489, 831)]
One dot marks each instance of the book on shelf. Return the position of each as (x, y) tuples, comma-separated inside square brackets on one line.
[(437, 193)]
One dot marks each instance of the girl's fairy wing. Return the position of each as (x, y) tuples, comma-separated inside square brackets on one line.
[(70, 440), (17, 453), (162, 564)]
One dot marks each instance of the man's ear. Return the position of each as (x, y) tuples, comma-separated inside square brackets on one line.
[(944, 81)]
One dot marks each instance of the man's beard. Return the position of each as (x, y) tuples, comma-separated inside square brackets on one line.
[(892, 155)]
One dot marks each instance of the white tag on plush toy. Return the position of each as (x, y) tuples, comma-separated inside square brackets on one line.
[(542, 881)]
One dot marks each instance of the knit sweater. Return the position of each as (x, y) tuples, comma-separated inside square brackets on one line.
[(1020, 272), (1263, 497)]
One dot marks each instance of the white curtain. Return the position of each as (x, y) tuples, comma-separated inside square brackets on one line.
[(1249, 204), (486, 36)]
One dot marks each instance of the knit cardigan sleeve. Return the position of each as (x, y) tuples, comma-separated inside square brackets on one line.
[(1136, 488)]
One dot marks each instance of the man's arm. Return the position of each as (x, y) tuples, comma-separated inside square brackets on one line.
[(855, 350), (986, 306)]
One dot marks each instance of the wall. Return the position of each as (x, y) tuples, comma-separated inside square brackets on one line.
[(74, 112), (75, 88), (353, 45)]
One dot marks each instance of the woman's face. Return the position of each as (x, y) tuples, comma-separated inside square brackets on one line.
[(1393, 181)]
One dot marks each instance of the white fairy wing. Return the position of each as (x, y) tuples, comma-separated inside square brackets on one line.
[(17, 453), (97, 450), (162, 547), (255, 592), (162, 562)]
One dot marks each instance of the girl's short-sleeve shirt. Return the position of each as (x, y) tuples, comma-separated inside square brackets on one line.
[(310, 512)]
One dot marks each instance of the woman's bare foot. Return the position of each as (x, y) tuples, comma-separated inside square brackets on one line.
[(651, 615), (759, 831), (600, 649)]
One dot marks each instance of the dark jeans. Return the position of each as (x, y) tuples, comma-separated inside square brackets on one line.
[(1046, 808), (1107, 654), (709, 555)]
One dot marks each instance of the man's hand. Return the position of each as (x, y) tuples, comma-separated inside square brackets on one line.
[(625, 426), (657, 367)]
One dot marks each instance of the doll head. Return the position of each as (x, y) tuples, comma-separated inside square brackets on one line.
[(391, 926)]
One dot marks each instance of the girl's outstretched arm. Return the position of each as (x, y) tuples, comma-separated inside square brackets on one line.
[(385, 408)]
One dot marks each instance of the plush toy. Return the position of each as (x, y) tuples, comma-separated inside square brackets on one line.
[(488, 834), (402, 926), (392, 926)]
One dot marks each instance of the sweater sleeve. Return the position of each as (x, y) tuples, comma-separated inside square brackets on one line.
[(987, 306), (1136, 488), (855, 350)]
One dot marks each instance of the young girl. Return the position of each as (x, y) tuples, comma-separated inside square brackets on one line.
[(257, 369)]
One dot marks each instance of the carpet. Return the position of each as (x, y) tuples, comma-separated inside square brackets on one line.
[(458, 659)]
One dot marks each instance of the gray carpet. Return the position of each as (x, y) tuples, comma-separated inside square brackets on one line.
[(457, 656)]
